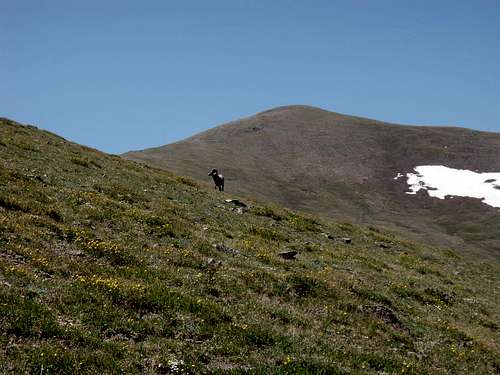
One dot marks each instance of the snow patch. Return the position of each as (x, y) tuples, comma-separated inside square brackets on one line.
[(441, 181), (399, 176)]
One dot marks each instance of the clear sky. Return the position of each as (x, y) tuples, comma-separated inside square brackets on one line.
[(122, 75)]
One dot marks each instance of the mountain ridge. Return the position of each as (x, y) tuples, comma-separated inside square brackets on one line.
[(308, 158), (295, 107)]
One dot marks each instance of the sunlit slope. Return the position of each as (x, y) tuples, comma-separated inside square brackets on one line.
[(109, 266), (343, 167)]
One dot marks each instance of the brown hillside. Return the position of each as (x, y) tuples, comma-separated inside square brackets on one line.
[(344, 167)]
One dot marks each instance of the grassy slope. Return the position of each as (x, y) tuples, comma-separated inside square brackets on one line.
[(107, 265)]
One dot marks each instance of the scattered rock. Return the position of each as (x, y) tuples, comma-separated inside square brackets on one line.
[(383, 245), (5, 283), (45, 274), (213, 262), (238, 210), (288, 254), (226, 249), (329, 236), (347, 240), (12, 257), (441, 295), (65, 321), (236, 202), (76, 253), (253, 129), (38, 178), (119, 337)]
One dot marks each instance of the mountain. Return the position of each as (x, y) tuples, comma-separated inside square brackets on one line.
[(110, 266), (343, 167)]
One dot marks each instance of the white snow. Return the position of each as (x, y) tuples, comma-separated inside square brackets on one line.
[(398, 176), (441, 181)]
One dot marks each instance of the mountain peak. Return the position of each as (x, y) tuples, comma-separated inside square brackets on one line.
[(343, 167), (294, 108)]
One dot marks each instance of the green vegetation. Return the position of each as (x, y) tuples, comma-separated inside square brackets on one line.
[(109, 266)]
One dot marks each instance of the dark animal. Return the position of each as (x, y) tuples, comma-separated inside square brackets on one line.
[(218, 179)]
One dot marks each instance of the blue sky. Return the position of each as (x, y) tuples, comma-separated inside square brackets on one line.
[(122, 75)]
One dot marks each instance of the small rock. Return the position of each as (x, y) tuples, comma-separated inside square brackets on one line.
[(329, 236), (383, 245), (226, 249), (5, 283), (288, 254), (238, 210), (76, 253), (236, 202), (213, 262), (118, 337), (46, 274), (347, 240)]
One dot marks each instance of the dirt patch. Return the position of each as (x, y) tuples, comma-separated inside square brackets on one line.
[(386, 315)]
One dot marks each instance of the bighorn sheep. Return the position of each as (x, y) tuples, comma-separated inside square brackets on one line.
[(218, 179)]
